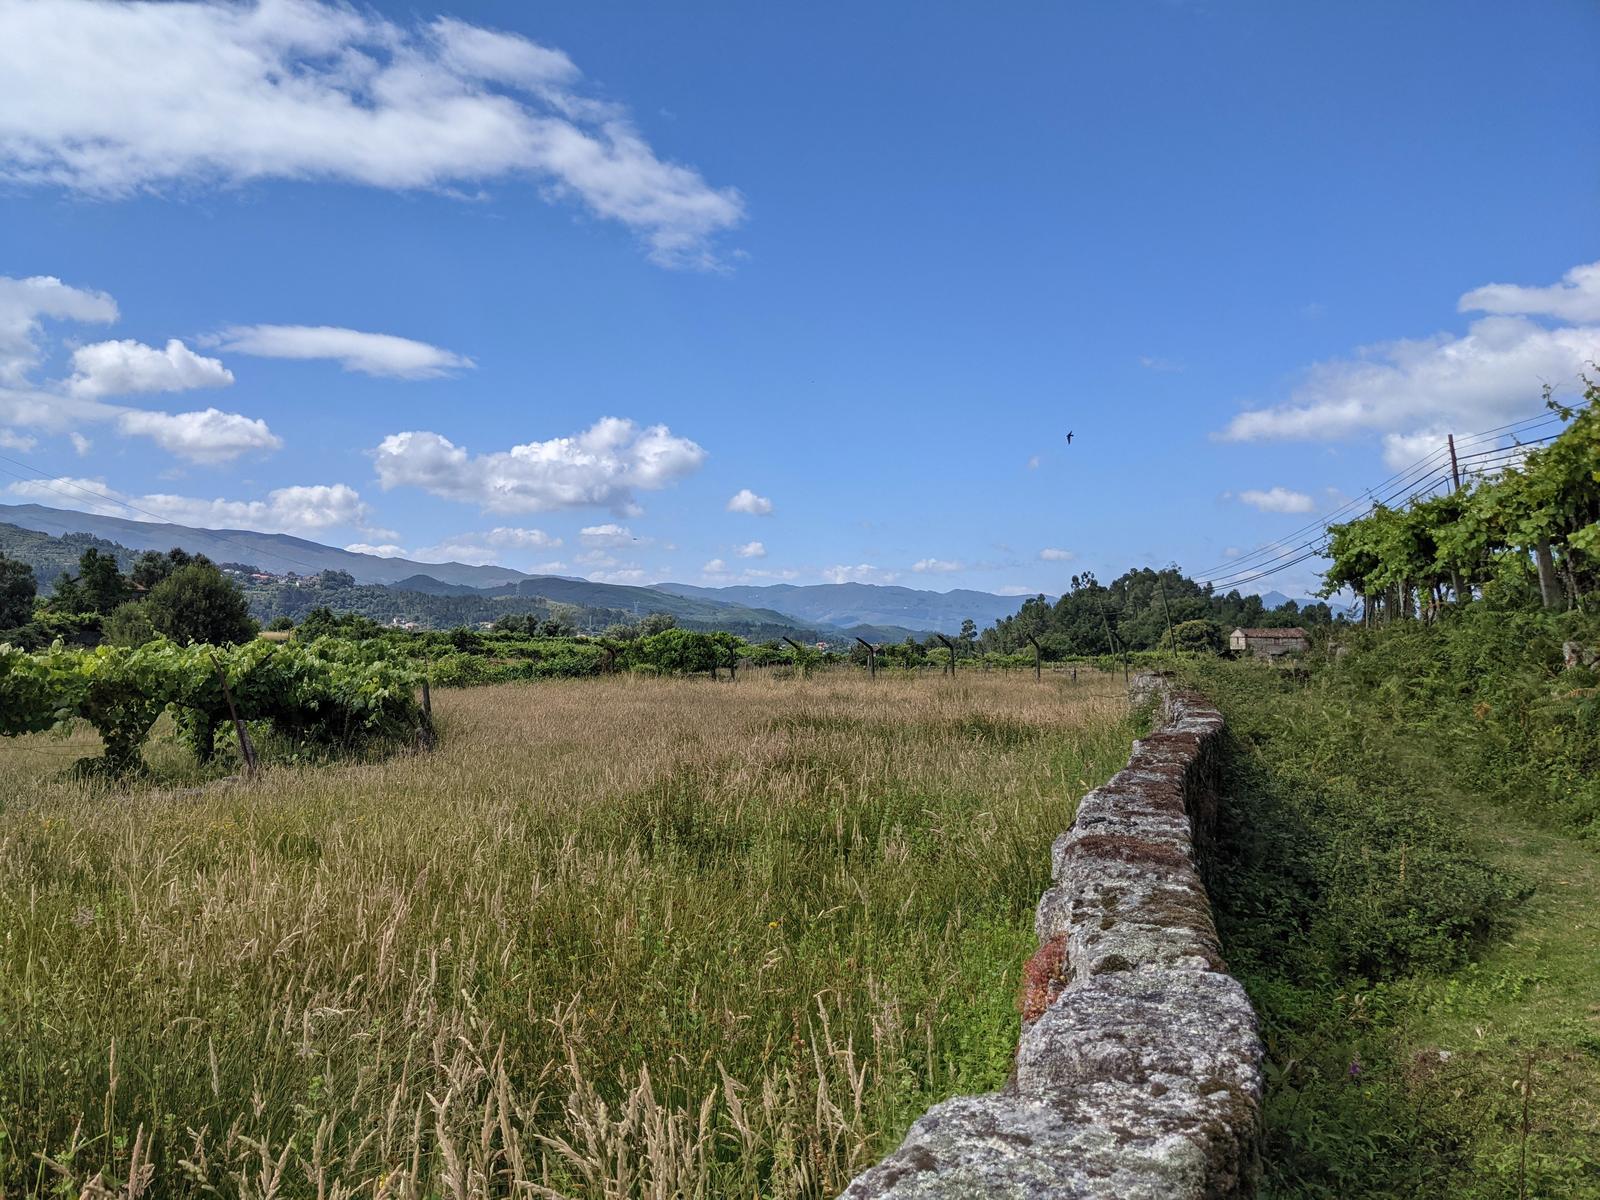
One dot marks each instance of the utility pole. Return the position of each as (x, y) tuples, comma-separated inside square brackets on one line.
[(1455, 467)]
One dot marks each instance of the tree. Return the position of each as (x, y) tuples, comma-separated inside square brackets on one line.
[(968, 637), (198, 603), (151, 567), (1198, 636), (17, 592), (101, 583), (657, 622), (335, 581), (280, 625), (128, 625)]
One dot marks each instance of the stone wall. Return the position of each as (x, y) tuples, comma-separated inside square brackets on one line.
[(1138, 1073)]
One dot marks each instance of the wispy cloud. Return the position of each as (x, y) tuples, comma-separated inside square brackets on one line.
[(369, 353), (117, 98)]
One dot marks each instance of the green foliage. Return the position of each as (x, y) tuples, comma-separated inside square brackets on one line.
[(128, 625), (198, 603), (1132, 614), (1341, 877), (326, 693), (17, 592), (1488, 537)]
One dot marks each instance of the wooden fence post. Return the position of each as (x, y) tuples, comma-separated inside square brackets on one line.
[(246, 750), (872, 658), (1034, 642), (949, 645)]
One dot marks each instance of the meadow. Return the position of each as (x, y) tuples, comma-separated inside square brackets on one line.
[(613, 937)]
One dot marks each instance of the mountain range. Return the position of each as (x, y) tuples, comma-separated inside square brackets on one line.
[(871, 611)]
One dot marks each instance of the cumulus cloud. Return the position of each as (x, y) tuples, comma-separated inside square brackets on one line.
[(370, 353), (1411, 390), (299, 509), (601, 467), (1277, 500), (1055, 554), (609, 534), (387, 550), (860, 573), (935, 566), (307, 90), (751, 550), (23, 305), (715, 568), (210, 436), (16, 441), (746, 501), (522, 539), (111, 368), (1576, 299), (122, 367)]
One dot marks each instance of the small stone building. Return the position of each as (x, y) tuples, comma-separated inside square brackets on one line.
[(1269, 643)]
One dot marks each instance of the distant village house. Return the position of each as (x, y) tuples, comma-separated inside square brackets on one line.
[(1269, 643)]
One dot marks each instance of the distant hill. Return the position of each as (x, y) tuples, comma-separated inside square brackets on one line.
[(846, 604), (275, 552), (439, 595)]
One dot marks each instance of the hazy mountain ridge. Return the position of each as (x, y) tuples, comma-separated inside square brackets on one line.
[(845, 604)]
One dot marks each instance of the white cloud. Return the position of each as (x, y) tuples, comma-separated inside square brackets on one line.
[(716, 568), (108, 369), (1054, 554), (751, 550), (113, 99), (1412, 390), (1033, 462), (369, 353), (299, 509), (522, 539), (1575, 299), (387, 550), (860, 573), (1012, 589), (935, 566), (1164, 365), (1277, 500), (80, 443), (600, 467), (16, 441), (122, 367), (629, 575), (609, 534), (23, 302), (203, 437), (746, 501)]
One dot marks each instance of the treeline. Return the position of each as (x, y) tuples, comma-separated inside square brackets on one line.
[(1529, 534), (1143, 609)]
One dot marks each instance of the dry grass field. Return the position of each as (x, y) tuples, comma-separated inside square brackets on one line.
[(631, 937)]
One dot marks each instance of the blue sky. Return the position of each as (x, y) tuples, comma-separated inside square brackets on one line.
[(863, 265)]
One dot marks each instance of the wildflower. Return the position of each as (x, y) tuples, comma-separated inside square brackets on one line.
[(1354, 1072)]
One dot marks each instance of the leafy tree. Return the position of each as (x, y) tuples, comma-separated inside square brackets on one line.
[(1199, 636), (17, 592), (334, 581), (128, 625), (280, 625), (151, 567), (198, 603), (657, 622), (101, 584)]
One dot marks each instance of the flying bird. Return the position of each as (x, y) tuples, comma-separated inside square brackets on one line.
[(1069, 437)]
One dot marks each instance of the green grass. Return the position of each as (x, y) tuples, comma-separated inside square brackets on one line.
[(1422, 955), (615, 937)]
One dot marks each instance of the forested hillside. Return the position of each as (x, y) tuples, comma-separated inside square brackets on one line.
[(1140, 610)]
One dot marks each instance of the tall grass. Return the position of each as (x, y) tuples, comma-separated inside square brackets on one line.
[(629, 937)]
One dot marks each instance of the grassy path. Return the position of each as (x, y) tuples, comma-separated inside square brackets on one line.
[(1526, 1010)]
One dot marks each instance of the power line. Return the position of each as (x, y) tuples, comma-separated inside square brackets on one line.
[(1421, 478)]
